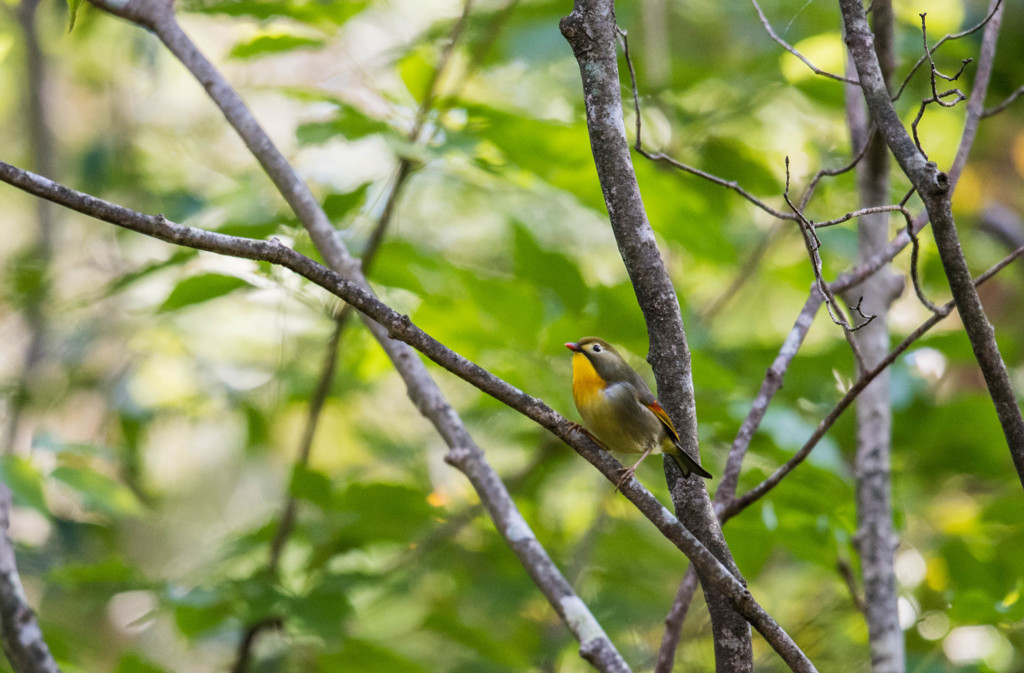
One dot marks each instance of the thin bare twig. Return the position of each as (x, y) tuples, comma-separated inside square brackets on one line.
[(243, 654), (674, 622), (846, 572), (915, 270), (788, 47), (813, 244), (946, 38), (996, 109), (658, 156), (736, 505), (937, 97)]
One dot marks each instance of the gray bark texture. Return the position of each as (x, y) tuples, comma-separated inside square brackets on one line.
[(934, 188), (592, 33), (875, 538)]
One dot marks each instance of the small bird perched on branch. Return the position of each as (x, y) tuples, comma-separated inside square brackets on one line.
[(618, 407)]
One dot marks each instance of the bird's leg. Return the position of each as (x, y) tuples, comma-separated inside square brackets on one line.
[(628, 472)]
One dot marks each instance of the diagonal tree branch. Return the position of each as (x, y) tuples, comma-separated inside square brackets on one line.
[(788, 47), (289, 509), (740, 503), (158, 16), (401, 327)]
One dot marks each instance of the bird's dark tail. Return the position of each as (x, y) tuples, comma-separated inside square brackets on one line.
[(689, 465)]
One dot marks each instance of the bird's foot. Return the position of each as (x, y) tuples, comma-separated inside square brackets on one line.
[(627, 474)]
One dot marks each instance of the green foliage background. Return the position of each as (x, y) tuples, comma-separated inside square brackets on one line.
[(158, 434)]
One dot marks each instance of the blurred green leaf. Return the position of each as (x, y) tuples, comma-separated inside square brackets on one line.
[(308, 484), (111, 570), (26, 279), (25, 481), (549, 269), (339, 205), (324, 608), (135, 663), (384, 511), (200, 611), (177, 258), (99, 491), (347, 122), (265, 45), (198, 289), (333, 12), (358, 656)]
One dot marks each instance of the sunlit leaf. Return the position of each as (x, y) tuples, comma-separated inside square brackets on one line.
[(265, 45), (25, 480), (335, 12)]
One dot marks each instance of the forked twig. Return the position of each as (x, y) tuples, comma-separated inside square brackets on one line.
[(946, 38), (813, 244), (937, 97), (737, 505)]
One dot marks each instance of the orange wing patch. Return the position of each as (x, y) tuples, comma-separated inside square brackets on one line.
[(665, 420)]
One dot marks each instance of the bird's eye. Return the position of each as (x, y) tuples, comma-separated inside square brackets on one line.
[(596, 348)]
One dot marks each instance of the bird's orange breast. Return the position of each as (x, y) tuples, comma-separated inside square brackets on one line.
[(586, 383)]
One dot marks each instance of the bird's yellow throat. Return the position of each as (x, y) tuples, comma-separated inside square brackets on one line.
[(586, 383)]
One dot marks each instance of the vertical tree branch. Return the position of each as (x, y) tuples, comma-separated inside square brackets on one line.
[(934, 189), (592, 33), (875, 538)]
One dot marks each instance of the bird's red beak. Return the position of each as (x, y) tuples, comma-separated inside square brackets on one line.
[(573, 346)]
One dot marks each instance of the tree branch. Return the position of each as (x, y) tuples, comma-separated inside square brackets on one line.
[(592, 33), (158, 16), (401, 327), (788, 47), (933, 186), (872, 461), (737, 505)]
